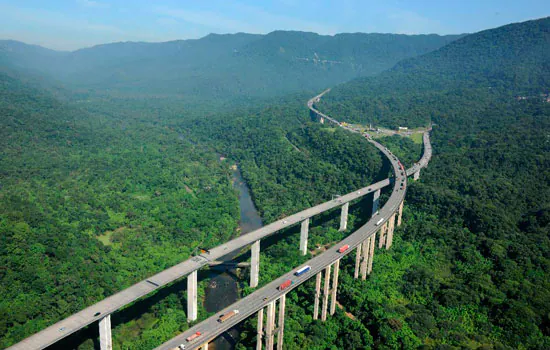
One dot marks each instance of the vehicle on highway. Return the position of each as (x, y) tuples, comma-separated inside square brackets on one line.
[(302, 270), (285, 285), (379, 222), (97, 314), (343, 248), (227, 316), (194, 336)]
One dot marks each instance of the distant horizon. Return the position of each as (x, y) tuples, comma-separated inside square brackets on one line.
[(70, 25), (237, 33)]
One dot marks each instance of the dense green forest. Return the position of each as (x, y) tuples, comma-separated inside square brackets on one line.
[(100, 191), (91, 204)]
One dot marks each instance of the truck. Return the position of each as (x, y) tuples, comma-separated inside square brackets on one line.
[(227, 316), (285, 285), (343, 248), (379, 222), (194, 336), (302, 270)]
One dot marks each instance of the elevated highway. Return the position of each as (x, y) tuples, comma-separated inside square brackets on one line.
[(101, 311), (270, 293)]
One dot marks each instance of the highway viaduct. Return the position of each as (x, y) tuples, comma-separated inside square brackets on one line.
[(363, 240)]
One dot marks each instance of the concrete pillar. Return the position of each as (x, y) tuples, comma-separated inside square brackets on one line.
[(192, 296), (357, 260), (344, 217), (382, 239), (260, 331), (389, 237), (204, 346), (281, 322), (303, 236), (105, 338), (416, 175), (371, 253), (375, 201), (322, 120), (255, 264), (317, 296), (365, 260), (400, 214), (270, 325), (325, 293), (334, 286)]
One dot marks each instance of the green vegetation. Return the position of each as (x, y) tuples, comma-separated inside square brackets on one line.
[(90, 205), (103, 191), (470, 266), (222, 66)]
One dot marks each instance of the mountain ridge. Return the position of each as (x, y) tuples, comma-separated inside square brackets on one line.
[(227, 65)]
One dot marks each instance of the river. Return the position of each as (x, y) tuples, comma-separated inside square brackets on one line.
[(223, 287)]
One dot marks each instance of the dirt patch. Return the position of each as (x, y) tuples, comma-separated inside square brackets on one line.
[(348, 314)]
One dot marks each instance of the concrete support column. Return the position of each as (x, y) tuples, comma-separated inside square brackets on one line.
[(270, 325), (304, 231), (382, 239), (357, 260), (344, 217), (317, 296), (192, 296), (204, 346), (365, 259), (260, 331), (322, 120), (334, 286), (325, 293), (375, 201), (255, 264), (389, 238), (281, 322), (416, 175), (371, 253), (105, 338), (400, 214)]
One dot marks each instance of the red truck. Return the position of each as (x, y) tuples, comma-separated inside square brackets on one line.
[(343, 248), (285, 284), (194, 336)]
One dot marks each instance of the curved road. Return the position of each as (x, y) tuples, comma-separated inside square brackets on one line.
[(211, 328), (111, 304)]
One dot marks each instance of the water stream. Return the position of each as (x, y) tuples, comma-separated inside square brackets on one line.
[(223, 287)]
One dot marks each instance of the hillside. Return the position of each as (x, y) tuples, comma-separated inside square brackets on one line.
[(513, 60), (471, 265), (91, 203), (223, 65)]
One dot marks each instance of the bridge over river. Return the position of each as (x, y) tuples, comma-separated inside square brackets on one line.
[(362, 241)]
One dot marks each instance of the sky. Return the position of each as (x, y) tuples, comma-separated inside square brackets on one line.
[(74, 24)]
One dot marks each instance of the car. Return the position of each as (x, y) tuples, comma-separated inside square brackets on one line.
[(97, 314), (61, 329)]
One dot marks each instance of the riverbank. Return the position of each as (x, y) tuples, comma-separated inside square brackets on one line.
[(223, 288)]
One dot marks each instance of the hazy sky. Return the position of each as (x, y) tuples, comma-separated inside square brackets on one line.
[(73, 24)]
